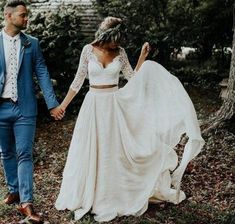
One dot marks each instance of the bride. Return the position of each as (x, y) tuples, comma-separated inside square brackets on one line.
[(122, 149)]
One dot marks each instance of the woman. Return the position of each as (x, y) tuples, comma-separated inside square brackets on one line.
[(121, 152)]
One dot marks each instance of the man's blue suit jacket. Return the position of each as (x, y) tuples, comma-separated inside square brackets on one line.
[(31, 63)]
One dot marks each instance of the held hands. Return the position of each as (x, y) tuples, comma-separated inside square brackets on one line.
[(57, 113), (145, 50)]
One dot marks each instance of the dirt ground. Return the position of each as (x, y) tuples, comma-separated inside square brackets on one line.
[(208, 181)]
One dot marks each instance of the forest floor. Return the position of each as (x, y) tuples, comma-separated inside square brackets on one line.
[(208, 182)]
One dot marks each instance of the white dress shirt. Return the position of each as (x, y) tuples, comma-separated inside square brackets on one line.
[(7, 41)]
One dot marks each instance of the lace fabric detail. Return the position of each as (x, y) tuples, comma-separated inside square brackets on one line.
[(87, 55), (82, 70), (126, 67)]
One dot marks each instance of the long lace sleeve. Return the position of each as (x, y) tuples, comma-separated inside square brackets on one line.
[(126, 67), (82, 70)]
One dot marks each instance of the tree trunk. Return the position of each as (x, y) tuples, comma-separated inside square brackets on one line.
[(227, 110)]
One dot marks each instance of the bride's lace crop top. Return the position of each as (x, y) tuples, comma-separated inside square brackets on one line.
[(90, 66)]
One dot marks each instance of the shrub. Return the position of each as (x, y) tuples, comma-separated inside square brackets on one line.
[(61, 40)]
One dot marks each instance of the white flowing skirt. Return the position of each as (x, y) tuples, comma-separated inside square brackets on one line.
[(121, 152)]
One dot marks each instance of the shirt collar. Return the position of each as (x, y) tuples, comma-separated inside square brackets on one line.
[(8, 37)]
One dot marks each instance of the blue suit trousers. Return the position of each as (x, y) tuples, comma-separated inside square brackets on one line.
[(16, 147)]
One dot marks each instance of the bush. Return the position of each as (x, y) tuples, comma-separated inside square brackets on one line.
[(61, 40), (173, 23)]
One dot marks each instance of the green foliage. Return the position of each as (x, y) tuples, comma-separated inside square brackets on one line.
[(205, 24), (212, 25), (180, 22), (2, 3), (174, 23), (61, 39)]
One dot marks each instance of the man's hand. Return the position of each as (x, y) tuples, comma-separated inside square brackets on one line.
[(57, 113)]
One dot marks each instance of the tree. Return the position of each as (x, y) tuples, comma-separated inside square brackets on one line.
[(226, 112), (200, 24), (213, 22), (174, 23), (61, 40)]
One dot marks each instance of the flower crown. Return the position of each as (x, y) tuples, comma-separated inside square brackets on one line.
[(112, 34)]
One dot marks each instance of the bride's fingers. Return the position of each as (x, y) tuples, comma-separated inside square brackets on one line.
[(146, 44), (60, 116), (146, 47), (57, 116)]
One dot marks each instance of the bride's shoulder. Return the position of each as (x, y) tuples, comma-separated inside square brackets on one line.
[(88, 47), (121, 50)]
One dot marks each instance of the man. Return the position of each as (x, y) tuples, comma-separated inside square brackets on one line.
[(20, 60)]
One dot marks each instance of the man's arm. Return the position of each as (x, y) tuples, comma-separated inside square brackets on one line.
[(45, 83), (43, 77)]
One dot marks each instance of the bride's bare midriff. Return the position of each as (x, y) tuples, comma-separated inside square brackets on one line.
[(103, 86)]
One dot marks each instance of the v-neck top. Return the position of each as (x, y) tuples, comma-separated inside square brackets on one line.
[(92, 68)]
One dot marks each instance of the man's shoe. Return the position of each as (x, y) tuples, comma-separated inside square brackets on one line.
[(12, 198), (29, 212)]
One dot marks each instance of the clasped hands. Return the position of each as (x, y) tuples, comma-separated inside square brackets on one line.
[(58, 112)]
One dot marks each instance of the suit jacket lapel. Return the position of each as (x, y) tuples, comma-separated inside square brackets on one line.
[(25, 42), (2, 54), (22, 48)]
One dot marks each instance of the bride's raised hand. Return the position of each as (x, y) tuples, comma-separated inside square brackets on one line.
[(145, 50), (143, 54)]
